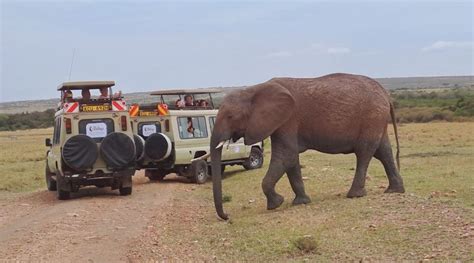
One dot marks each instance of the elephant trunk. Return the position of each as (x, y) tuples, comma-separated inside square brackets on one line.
[(216, 155)]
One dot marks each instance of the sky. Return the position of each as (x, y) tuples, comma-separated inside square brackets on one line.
[(154, 45)]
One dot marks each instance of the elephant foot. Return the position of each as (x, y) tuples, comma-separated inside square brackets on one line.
[(274, 202), (356, 192), (395, 189), (299, 200)]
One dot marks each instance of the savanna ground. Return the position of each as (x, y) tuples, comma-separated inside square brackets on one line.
[(433, 220)]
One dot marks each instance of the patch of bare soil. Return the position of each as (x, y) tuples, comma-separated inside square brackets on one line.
[(95, 225)]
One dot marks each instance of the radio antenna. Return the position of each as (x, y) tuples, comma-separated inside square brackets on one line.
[(72, 62)]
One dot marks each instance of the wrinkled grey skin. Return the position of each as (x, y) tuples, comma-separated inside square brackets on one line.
[(337, 113)]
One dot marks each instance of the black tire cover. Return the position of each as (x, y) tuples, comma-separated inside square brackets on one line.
[(157, 146), (117, 150), (80, 152), (139, 145)]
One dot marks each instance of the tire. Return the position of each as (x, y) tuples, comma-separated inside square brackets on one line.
[(63, 195), (118, 151), (198, 171), (50, 183), (255, 159), (139, 147), (158, 146), (125, 191), (80, 152), (156, 175)]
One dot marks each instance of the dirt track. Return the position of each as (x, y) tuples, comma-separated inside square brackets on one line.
[(95, 225)]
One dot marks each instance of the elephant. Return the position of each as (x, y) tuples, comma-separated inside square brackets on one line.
[(335, 114)]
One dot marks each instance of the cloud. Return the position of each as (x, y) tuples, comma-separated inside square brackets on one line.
[(338, 50), (280, 54), (443, 45)]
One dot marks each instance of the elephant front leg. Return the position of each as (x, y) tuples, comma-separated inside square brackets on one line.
[(296, 182), (274, 173)]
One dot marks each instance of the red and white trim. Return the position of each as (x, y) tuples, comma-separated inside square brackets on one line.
[(119, 105), (71, 107)]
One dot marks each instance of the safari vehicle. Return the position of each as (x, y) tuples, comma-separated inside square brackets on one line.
[(173, 136), (92, 141)]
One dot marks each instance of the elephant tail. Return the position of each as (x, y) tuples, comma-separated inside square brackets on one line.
[(394, 121)]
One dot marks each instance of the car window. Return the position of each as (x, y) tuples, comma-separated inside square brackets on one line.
[(97, 129), (192, 127), (212, 121), (146, 129), (57, 131)]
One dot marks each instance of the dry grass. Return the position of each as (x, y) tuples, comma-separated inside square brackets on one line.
[(22, 160), (433, 220)]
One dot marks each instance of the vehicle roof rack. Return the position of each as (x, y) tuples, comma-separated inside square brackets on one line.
[(76, 85)]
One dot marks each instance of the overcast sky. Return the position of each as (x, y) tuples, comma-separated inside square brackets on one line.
[(146, 46)]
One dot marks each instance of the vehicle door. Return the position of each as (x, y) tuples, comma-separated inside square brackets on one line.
[(55, 153)]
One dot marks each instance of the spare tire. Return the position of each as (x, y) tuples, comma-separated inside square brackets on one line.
[(80, 152), (117, 150), (158, 146), (139, 145)]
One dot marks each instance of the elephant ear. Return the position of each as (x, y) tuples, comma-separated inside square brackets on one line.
[(272, 105)]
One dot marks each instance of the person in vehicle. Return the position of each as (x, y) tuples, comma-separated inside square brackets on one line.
[(188, 100), (179, 104), (203, 103), (190, 128), (86, 95), (104, 93), (67, 96)]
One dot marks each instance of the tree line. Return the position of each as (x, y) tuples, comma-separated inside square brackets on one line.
[(411, 106)]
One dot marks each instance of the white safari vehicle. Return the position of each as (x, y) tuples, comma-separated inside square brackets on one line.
[(173, 136), (92, 140)]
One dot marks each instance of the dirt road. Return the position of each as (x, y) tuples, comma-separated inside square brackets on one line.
[(96, 225)]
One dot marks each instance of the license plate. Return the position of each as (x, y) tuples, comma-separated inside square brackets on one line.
[(148, 113), (95, 108)]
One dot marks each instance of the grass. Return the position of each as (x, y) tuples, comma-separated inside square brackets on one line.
[(430, 221), (22, 160), (433, 220)]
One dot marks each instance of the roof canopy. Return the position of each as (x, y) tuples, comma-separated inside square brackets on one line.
[(186, 91), (75, 85)]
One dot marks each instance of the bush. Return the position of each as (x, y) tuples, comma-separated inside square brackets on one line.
[(27, 120)]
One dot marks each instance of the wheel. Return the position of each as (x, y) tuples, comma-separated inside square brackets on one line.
[(255, 159), (125, 190), (198, 171), (61, 193), (156, 175), (50, 183)]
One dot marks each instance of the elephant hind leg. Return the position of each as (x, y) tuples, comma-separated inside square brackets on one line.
[(364, 155), (385, 156)]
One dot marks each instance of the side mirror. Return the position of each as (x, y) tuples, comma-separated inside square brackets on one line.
[(48, 142)]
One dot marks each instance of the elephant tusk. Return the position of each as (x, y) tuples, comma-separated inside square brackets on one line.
[(204, 157), (220, 145)]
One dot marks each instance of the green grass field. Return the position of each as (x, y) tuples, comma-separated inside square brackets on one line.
[(433, 220)]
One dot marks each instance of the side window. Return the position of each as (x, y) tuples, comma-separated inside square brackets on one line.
[(212, 121), (57, 131), (192, 127)]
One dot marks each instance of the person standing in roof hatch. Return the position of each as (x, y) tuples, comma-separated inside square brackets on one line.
[(188, 99)]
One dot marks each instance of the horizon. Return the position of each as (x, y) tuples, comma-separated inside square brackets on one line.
[(148, 46)]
